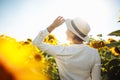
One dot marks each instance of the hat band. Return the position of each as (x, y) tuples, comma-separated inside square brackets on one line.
[(77, 30)]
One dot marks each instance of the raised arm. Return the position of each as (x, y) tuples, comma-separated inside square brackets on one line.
[(38, 41), (57, 22)]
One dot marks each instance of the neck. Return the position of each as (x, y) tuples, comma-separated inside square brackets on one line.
[(77, 42)]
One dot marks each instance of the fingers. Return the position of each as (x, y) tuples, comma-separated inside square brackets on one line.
[(59, 20), (56, 23)]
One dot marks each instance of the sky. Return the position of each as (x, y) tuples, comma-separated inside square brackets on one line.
[(22, 19)]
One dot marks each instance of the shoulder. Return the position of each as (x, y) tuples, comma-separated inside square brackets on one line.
[(92, 51), (90, 48)]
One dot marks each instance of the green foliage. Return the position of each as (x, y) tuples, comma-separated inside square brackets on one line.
[(115, 33), (110, 56), (52, 67), (113, 44), (99, 35)]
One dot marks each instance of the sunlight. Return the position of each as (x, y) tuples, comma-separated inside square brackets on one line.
[(32, 16), (94, 12)]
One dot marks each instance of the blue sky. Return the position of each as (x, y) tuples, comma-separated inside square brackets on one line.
[(23, 19)]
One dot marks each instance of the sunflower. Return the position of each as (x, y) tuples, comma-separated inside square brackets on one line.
[(110, 40), (39, 57), (51, 39), (22, 57), (97, 44), (115, 51)]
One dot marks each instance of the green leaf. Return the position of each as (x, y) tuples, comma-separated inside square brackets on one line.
[(115, 33), (99, 35)]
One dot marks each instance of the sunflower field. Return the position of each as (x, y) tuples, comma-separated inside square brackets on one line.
[(110, 57), (21, 60)]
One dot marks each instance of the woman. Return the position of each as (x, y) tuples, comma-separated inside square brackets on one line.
[(75, 62)]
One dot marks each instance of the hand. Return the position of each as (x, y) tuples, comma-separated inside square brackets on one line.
[(57, 22)]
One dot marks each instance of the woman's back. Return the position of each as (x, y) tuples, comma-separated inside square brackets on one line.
[(77, 63)]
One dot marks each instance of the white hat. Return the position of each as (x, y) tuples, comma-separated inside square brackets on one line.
[(78, 27)]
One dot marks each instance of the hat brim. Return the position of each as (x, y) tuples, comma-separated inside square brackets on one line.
[(69, 27)]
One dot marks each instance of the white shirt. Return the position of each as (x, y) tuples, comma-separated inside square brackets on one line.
[(75, 62)]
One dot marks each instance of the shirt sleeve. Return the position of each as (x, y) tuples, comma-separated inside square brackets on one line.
[(50, 49), (96, 70)]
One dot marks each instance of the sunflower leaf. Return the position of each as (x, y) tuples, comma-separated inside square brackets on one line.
[(115, 33)]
